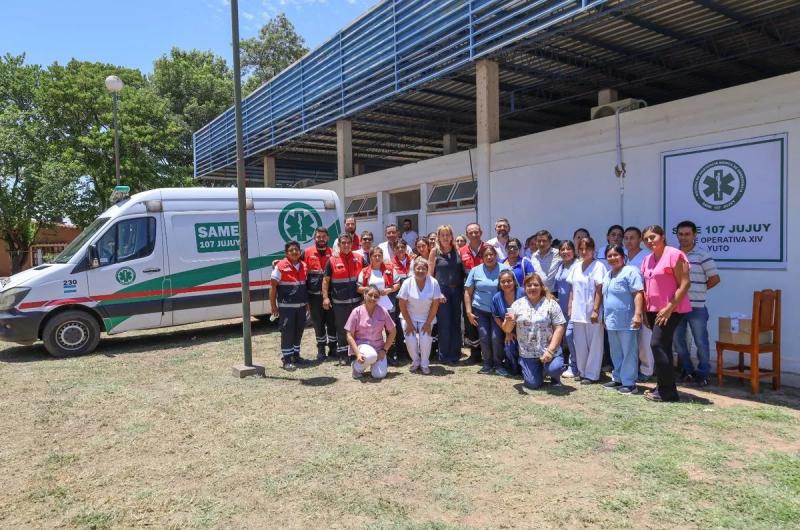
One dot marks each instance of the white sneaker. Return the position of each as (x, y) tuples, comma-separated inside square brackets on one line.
[(568, 374)]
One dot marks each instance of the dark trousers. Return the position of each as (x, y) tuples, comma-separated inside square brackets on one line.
[(292, 323), (398, 349), (322, 320), (471, 338), (491, 339), (661, 344), (448, 318), (341, 314)]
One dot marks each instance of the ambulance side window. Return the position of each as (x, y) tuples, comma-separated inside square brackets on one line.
[(127, 240)]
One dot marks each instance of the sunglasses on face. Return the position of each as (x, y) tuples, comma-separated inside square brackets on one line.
[(513, 247), (366, 239)]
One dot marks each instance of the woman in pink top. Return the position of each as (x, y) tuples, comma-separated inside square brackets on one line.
[(666, 283), (366, 325)]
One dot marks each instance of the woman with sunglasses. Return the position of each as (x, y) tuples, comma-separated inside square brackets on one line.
[(520, 265)]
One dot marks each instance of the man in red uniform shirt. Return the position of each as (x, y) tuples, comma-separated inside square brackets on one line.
[(471, 257), (316, 258), (340, 290), (289, 301)]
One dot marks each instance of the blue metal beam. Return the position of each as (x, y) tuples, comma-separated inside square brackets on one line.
[(391, 49)]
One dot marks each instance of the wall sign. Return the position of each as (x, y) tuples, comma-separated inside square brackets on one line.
[(735, 193)]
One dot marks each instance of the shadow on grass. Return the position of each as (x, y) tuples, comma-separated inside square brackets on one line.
[(561, 390), (162, 340), (323, 380)]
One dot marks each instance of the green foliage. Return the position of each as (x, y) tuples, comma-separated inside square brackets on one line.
[(277, 46), (56, 134), (33, 186), (77, 106), (198, 86)]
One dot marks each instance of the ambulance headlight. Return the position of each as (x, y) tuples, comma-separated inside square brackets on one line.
[(12, 297)]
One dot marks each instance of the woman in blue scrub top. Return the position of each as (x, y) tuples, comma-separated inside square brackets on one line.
[(563, 288), (508, 292), (480, 287), (515, 261), (623, 303)]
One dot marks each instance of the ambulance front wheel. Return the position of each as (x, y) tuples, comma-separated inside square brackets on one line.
[(71, 333)]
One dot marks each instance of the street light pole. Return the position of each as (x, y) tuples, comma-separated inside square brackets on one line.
[(247, 368), (114, 85)]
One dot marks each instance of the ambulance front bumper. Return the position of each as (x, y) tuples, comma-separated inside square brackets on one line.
[(22, 328)]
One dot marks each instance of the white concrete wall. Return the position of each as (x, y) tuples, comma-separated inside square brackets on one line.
[(563, 178)]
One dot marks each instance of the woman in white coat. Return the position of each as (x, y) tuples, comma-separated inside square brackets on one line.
[(586, 279), (419, 299)]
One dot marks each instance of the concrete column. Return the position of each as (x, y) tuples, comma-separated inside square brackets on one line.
[(269, 172), (344, 156), (487, 94), (422, 222), (449, 144), (382, 197)]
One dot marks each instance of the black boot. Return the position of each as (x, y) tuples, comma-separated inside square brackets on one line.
[(320, 351), (288, 365), (332, 351), (299, 361)]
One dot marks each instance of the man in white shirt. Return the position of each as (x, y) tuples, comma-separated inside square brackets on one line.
[(502, 227), (703, 275), (546, 258), (387, 246), (409, 236)]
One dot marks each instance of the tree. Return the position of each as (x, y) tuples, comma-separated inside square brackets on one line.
[(198, 86), (34, 188), (75, 103), (277, 46)]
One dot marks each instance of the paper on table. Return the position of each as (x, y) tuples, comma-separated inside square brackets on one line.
[(735, 321)]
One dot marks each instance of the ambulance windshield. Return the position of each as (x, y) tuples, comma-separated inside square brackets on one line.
[(79, 241)]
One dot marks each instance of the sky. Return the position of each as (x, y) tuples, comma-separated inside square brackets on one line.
[(134, 33)]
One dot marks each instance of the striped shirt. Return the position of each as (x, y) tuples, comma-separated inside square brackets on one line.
[(701, 268)]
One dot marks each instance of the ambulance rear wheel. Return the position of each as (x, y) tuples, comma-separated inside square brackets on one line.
[(71, 333)]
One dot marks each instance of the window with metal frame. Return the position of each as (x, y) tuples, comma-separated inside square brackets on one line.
[(360, 207), (453, 196)]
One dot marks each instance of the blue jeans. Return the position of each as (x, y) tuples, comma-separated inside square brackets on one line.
[(448, 318), (573, 359), (534, 370), (697, 320), (491, 339), (512, 356), (624, 355)]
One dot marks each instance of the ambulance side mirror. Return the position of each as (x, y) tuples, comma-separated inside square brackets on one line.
[(94, 257)]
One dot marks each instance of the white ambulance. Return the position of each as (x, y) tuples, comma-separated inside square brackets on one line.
[(160, 258)]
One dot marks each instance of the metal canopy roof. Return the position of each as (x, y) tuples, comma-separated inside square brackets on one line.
[(404, 74)]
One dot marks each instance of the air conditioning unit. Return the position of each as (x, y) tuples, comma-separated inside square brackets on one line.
[(609, 109), (304, 183)]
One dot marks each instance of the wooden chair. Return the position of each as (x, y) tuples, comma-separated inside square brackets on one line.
[(766, 318)]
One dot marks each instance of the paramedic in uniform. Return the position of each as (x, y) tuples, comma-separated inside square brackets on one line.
[(289, 300), (339, 290), (316, 258), (471, 257)]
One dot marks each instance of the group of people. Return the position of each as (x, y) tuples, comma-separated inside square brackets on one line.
[(543, 310)]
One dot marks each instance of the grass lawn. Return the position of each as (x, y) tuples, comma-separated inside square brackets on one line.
[(152, 430)]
